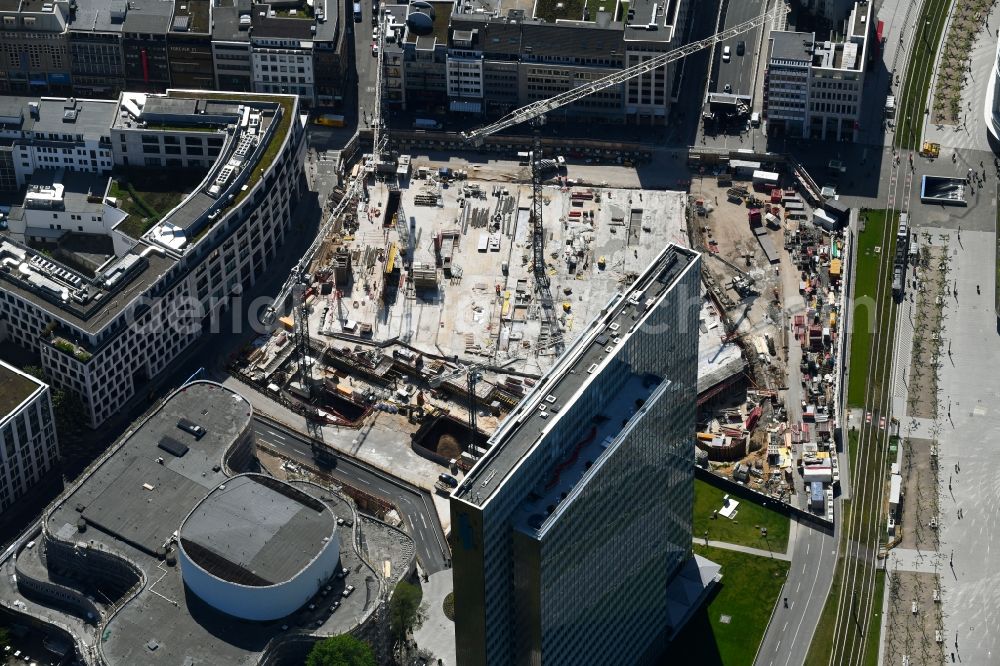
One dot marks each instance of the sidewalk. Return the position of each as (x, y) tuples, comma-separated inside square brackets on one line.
[(747, 549), (921, 561), (437, 633)]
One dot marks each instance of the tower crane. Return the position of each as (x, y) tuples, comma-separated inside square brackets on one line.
[(529, 112), (473, 374)]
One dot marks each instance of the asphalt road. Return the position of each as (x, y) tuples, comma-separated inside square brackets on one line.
[(414, 507), (814, 557), (364, 63), (738, 72)]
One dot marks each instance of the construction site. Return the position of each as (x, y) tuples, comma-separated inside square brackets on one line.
[(428, 296), (443, 294), (773, 266), (430, 277)]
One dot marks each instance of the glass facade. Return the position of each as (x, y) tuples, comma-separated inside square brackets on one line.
[(569, 561)]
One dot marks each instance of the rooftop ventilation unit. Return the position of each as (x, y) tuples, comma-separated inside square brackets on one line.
[(173, 447), (191, 428)]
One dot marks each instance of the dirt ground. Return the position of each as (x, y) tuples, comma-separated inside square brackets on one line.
[(726, 229), (920, 497), (908, 634), (927, 350)]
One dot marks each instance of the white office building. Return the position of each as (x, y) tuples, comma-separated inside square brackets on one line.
[(813, 88), (104, 330), (992, 106), (51, 133), (28, 447)]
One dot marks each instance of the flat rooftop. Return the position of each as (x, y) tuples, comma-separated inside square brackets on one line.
[(646, 13), (786, 45), (90, 118), (148, 16), (131, 497), (15, 388), (439, 27), (546, 502), (43, 281), (191, 16), (82, 192), (257, 531), (862, 19), (205, 111), (524, 427), (164, 624), (279, 27)]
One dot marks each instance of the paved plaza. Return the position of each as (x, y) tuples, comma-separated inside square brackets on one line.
[(971, 133), (969, 454)]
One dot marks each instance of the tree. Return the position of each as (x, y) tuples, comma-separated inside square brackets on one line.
[(343, 650), (70, 413), (405, 611)]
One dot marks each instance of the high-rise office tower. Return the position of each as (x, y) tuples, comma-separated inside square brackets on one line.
[(568, 532)]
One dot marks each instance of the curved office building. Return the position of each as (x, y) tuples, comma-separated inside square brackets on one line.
[(992, 106)]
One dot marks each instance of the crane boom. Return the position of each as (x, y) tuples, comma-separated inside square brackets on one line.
[(353, 189), (535, 109), (303, 265)]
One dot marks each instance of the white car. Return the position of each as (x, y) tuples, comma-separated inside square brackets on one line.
[(726, 54), (375, 33)]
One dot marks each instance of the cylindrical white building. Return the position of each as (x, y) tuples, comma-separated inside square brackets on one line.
[(257, 548)]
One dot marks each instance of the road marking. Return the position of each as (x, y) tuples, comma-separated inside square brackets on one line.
[(784, 628), (803, 615)]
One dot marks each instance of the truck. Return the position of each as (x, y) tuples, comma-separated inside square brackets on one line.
[(426, 124), (330, 120), (765, 181)]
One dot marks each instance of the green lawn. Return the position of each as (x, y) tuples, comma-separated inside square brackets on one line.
[(910, 109), (866, 276), (744, 529), (875, 621), (149, 194), (749, 589)]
